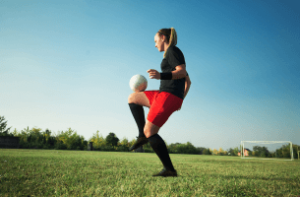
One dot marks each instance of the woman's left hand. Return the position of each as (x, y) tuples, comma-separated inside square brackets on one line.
[(153, 74)]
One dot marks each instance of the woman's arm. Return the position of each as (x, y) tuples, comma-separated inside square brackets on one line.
[(179, 72), (187, 86), (187, 79)]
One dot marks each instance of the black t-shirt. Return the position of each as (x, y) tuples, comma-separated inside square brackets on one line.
[(174, 57)]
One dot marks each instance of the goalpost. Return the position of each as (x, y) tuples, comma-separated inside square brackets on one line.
[(266, 142)]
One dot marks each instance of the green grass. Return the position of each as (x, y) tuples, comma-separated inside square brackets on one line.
[(94, 173)]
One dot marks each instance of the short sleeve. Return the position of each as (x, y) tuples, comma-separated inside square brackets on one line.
[(175, 57)]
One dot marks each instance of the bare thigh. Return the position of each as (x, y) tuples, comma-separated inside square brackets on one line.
[(139, 98)]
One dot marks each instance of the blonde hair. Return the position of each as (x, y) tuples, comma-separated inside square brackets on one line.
[(171, 36)]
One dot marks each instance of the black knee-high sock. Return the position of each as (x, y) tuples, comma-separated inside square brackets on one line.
[(161, 150), (139, 116)]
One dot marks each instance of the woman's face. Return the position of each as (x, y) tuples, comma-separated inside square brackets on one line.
[(159, 42)]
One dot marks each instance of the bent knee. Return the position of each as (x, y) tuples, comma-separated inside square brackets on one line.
[(131, 98), (147, 133)]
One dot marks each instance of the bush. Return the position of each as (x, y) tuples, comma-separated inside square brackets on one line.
[(24, 145), (106, 148), (149, 150), (123, 148), (46, 146), (60, 146)]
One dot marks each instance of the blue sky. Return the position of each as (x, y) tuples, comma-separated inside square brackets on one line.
[(68, 64)]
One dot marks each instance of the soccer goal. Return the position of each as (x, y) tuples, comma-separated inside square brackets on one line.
[(246, 153)]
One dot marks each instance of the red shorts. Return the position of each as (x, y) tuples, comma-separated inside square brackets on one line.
[(162, 105)]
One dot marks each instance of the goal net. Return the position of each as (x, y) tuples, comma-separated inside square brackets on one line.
[(272, 150)]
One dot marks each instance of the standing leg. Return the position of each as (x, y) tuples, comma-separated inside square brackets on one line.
[(161, 109), (160, 148)]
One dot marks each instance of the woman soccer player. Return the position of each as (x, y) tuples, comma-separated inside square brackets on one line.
[(174, 86)]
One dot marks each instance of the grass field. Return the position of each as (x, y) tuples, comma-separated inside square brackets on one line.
[(94, 173)]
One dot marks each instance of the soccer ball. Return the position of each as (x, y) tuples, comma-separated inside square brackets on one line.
[(138, 83)]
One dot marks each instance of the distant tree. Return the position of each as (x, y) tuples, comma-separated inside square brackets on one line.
[(52, 141), (221, 151), (200, 150), (181, 148), (47, 135), (261, 151), (98, 140), (173, 147), (123, 145), (3, 130), (284, 151), (69, 140), (188, 148), (34, 138), (15, 132), (207, 151), (37, 135), (272, 154), (124, 142), (231, 152), (111, 139), (191, 148), (235, 151), (296, 149), (215, 151), (26, 131)]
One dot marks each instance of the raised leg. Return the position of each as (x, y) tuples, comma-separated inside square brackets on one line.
[(139, 98)]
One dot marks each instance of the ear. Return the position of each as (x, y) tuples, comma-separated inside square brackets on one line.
[(163, 37)]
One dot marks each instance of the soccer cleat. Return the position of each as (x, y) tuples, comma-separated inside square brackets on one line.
[(166, 173), (140, 142)]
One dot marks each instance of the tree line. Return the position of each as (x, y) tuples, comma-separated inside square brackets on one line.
[(283, 152), (70, 140)]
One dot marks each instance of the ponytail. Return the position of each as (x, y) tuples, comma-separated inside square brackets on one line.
[(171, 36)]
